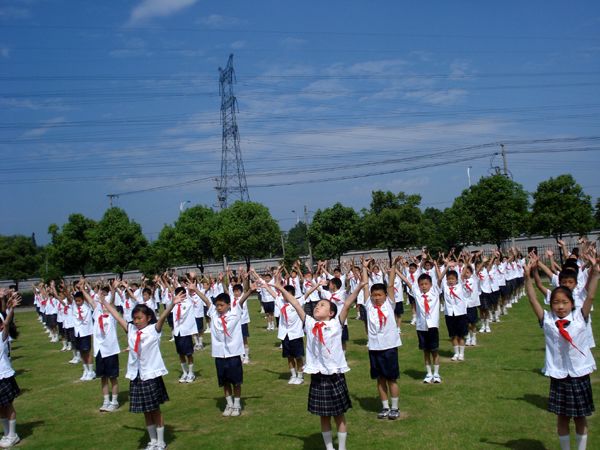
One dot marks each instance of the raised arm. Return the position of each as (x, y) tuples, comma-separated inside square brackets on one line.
[(13, 302), (161, 320), (533, 301), (291, 300), (113, 312), (350, 300)]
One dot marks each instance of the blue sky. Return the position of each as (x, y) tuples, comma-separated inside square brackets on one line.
[(336, 99)]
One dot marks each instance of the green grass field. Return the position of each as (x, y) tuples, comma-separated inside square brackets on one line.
[(495, 399)]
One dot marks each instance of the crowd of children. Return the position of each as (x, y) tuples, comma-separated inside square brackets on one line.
[(309, 309)]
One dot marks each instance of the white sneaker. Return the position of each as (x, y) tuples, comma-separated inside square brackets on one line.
[(151, 445), (468, 341), (112, 407), (64, 347), (172, 339), (190, 378), (488, 329), (482, 329), (413, 322), (474, 340), (89, 376), (292, 380), (245, 360), (9, 441), (83, 377), (428, 379), (104, 406), (461, 357), (455, 357), (437, 379), (228, 410), (235, 412), (183, 377), (196, 347), (160, 446), (299, 380)]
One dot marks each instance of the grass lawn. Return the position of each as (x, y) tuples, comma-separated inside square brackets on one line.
[(495, 399)]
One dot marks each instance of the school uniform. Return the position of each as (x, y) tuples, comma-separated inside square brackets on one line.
[(106, 344), (412, 277), (383, 340), (427, 317), (227, 345), (398, 304), (268, 301), (339, 298), (198, 312), (326, 362), (471, 292), (51, 312), (83, 326), (128, 305), (485, 287), (9, 389), (290, 330), (145, 369), (568, 365), (184, 326), (455, 310)]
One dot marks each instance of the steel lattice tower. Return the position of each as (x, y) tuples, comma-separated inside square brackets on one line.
[(232, 183)]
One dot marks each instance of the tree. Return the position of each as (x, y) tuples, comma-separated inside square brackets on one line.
[(246, 230), (192, 236), (69, 250), (560, 206), (492, 210), (438, 232), (393, 221), (116, 243), (333, 231), (18, 258), (297, 240), (597, 214), (160, 255)]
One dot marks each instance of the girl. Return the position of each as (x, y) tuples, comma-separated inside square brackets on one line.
[(569, 361), (8, 386), (145, 366), (326, 362)]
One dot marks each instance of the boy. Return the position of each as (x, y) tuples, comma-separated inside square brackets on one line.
[(268, 302), (455, 308), (84, 327), (184, 327)]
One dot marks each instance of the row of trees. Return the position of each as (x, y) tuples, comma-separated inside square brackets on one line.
[(491, 211)]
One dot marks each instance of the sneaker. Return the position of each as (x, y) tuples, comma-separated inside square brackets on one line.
[(112, 407), (183, 377), (299, 380), (104, 406), (228, 410), (292, 380), (235, 412), (245, 360), (394, 414), (413, 322), (488, 329), (474, 340), (200, 346), (455, 357), (383, 414), (84, 377), (482, 329), (196, 347), (151, 445), (461, 357), (428, 379), (468, 341), (90, 376), (437, 379), (190, 378), (9, 441), (160, 446), (172, 339)]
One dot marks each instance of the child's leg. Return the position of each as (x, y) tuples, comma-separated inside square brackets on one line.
[(292, 369), (562, 428), (9, 420), (382, 390), (190, 362), (105, 395), (159, 425), (340, 422), (184, 368), (237, 395), (150, 426), (581, 432), (394, 392), (4, 418), (326, 432), (299, 367), (114, 383)]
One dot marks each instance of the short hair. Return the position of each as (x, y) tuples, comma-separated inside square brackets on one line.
[(223, 297), (565, 291), (412, 264), (567, 274), (291, 289), (105, 289), (332, 307), (424, 276), (336, 282), (337, 269), (378, 287), (571, 263), (145, 310), (452, 273), (78, 294), (179, 290), (238, 287), (147, 291)]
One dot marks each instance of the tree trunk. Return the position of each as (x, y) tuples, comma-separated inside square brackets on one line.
[(247, 258), (389, 250), (200, 265)]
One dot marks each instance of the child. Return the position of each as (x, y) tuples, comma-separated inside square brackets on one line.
[(184, 327), (337, 295), (237, 291), (471, 290), (455, 308), (9, 389), (568, 357), (383, 340), (268, 302), (106, 350), (427, 302), (145, 367), (83, 329), (227, 347)]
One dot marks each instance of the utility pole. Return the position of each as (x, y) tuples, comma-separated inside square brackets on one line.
[(469, 175), (504, 160), (110, 199), (310, 257)]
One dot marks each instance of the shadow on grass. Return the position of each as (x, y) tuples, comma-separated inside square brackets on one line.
[(220, 401), (372, 404), (123, 397), (282, 375), (310, 442), (14, 358), (361, 342), (445, 353), (534, 370), (536, 400), (25, 429), (144, 439), (20, 371), (414, 374), (539, 349), (517, 444)]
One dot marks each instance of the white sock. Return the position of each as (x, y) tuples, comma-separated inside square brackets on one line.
[(293, 371), (456, 349), (152, 432), (200, 340), (5, 426), (236, 402), (12, 427), (342, 440), (394, 402), (191, 369), (106, 398), (229, 400), (461, 350), (247, 350), (581, 440), (385, 404), (328, 440), (115, 399), (300, 374), (565, 442), (184, 368), (160, 434), (428, 368), (436, 369), (90, 368)]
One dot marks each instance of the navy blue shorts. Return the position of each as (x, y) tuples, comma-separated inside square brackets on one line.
[(495, 296), (384, 364), (269, 307), (293, 348), (70, 334), (83, 343), (411, 299), (504, 290), (472, 316), (457, 325), (245, 330), (184, 345), (429, 340), (229, 370), (399, 308), (170, 321), (200, 324), (107, 367), (345, 334), (51, 320), (363, 313), (486, 300)]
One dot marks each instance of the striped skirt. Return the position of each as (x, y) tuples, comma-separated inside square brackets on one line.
[(571, 397), (328, 395)]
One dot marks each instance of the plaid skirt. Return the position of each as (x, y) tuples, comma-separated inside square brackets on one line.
[(328, 395), (571, 397), (145, 396), (9, 389)]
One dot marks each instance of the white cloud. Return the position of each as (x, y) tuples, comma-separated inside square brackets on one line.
[(43, 129), (238, 44), (4, 52), (149, 9), (219, 21), (291, 42), (437, 96)]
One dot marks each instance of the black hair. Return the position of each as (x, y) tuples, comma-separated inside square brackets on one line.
[(452, 273), (179, 290), (424, 276), (567, 274), (336, 282), (145, 310), (571, 263), (105, 289), (78, 294), (378, 287), (13, 287), (291, 289), (238, 287), (566, 291), (575, 251), (337, 269), (332, 307), (412, 264), (223, 297), (147, 291)]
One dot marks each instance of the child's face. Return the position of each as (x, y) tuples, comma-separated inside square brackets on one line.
[(570, 283), (332, 287), (337, 273), (294, 274), (424, 286), (237, 293), (428, 265), (140, 320), (378, 297), (561, 305), (78, 301), (308, 276), (451, 280), (412, 269), (322, 311), (222, 307), (146, 296)]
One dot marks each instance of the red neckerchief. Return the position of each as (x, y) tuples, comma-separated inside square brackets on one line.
[(138, 339), (284, 312), (101, 318), (480, 275), (565, 334), (426, 300), (79, 313), (127, 305), (382, 317), (468, 287), (452, 293), (317, 331), (224, 323), (178, 313), (66, 308), (235, 300), (412, 277)]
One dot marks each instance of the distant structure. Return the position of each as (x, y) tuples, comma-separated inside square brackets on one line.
[(232, 183)]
